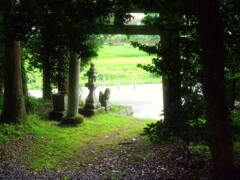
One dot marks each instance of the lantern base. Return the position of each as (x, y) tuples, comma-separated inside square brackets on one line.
[(91, 112)]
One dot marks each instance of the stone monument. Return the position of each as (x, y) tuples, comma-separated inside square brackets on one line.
[(92, 105), (59, 105)]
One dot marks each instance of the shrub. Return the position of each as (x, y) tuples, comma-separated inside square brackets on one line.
[(33, 103), (1, 102), (189, 124)]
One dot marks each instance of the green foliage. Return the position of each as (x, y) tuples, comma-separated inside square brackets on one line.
[(52, 31), (12, 132), (230, 15), (1, 102), (189, 125), (235, 116), (31, 104), (177, 57)]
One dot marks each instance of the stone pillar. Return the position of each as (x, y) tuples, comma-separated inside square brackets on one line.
[(74, 71), (72, 116)]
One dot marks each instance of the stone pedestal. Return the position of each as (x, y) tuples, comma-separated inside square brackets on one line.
[(56, 115), (72, 120), (59, 105)]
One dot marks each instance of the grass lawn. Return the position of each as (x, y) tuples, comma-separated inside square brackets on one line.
[(119, 63)]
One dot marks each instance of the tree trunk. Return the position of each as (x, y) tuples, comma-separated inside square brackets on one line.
[(233, 93), (62, 81), (24, 80), (217, 114), (13, 104), (74, 71), (1, 82), (46, 68), (171, 78), (45, 51), (1, 54)]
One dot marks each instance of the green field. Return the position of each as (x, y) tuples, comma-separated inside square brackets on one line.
[(119, 63), (116, 64)]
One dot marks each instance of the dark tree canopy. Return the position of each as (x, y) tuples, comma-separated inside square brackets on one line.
[(198, 57)]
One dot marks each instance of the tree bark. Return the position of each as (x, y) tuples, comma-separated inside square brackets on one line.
[(1, 88), (24, 80), (1, 82), (45, 51), (62, 82), (217, 114), (171, 78), (46, 68), (13, 104)]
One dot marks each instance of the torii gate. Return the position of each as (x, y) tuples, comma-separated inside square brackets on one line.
[(72, 116)]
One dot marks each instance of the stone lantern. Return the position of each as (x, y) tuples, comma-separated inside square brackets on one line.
[(92, 105)]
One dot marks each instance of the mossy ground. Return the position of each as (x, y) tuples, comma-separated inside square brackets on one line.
[(54, 146), (108, 144)]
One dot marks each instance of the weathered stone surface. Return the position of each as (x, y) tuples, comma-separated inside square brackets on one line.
[(92, 105), (104, 99), (127, 110), (91, 112), (56, 115), (59, 105), (60, 101), (72, 120)]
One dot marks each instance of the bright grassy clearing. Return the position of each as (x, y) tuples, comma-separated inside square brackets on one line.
[(119, 64), (120, 51), (56, 145)]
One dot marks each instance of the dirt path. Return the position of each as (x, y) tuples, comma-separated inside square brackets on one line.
[(112, 157), (105, 145), (116, 156)]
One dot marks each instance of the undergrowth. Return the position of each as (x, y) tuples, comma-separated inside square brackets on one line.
[(9, 132)]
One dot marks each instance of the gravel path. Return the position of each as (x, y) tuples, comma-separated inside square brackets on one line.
[(127, 160)]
